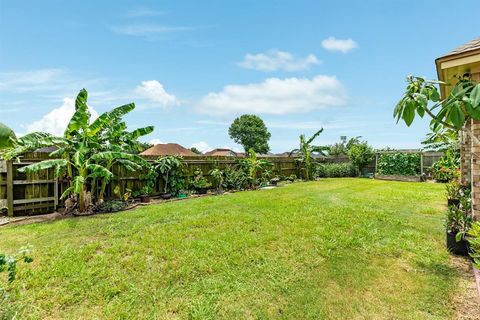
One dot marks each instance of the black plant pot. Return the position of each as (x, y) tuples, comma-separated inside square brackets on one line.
[(273, 182), (145, 199), (202, 190), (453, 202), (459, 248), (166, 196)]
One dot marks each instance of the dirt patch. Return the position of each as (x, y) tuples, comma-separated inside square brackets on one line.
[(467, 302)]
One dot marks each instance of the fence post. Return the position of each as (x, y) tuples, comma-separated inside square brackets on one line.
[(55, 193), (376, 163), (421, 163), (10, 188)]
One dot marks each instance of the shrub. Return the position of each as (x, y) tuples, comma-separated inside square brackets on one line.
[(404, 164), (474, 241), (361, 154), (235, 179), (446, 169), (335, 170)]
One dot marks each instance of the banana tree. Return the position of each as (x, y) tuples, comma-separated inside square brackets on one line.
[(253, 165), (7, 136), (305, 151), (85, 166), (117, 139), (85, 154)]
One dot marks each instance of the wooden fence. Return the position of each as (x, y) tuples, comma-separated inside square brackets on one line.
[(36, 193)]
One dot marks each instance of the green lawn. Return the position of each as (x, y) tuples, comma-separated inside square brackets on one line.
[(334, 249)]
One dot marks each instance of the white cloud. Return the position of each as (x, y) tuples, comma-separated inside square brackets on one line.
[(275, 96), (28, 80), (144, 12), (56, 121), (156, 141), (154, 91), (333, 44), (46, 84), (277, 60), (146, 30), (201, 146)]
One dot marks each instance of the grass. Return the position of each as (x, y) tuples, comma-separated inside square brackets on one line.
[(335, 249)]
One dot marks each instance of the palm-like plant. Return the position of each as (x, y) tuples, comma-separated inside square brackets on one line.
[(7, 136), (253, 165), (305, 151), (86, 151)]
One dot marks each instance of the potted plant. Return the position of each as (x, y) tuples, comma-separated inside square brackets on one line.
[(182, 194), (458, 222), (274, 181), (144, 194), (200, 183), (169, 168), (453, 189), (217, 176)]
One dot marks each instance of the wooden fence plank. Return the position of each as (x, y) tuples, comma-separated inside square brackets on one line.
[(10, 188)]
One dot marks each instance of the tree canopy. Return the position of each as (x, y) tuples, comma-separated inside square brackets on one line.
[(250, 131)]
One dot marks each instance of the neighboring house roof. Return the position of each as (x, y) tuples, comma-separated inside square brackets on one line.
[(219, 152), (168, 149), (47, 149)]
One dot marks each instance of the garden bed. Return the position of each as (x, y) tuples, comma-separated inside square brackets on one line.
[(399, 178)]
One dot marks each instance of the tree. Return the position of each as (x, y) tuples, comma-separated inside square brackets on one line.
[(452, 113), (7, 136), (250, 131), (195, 150), (87, 150), (341, 148), (361, 154), (169, 167), (253, 165), (305, 151)]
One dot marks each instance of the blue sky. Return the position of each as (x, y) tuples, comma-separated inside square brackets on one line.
[(191, 67)]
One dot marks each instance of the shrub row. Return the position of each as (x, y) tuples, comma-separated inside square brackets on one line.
[(335, 170)]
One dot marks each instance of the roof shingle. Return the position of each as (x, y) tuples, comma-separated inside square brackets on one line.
[(470, 46)]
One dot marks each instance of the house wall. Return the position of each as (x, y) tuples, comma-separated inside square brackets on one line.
[(474, 156)]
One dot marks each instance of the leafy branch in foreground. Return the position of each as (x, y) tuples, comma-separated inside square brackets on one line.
[(450, 114)]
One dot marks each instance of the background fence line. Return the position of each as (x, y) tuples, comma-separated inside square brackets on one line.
[(39, 192)]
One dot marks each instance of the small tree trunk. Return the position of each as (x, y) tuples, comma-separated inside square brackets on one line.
[(81, 199)]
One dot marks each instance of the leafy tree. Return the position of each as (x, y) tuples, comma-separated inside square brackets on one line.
[(250, 131), (305, 151), (195, 150), (449, 114), (341, 148), (169, 167), (361, 154)]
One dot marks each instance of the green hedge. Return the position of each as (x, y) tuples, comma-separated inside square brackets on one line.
[(403, 164), (335, 170)]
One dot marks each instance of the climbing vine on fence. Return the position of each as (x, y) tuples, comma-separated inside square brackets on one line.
[(404, 164)]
